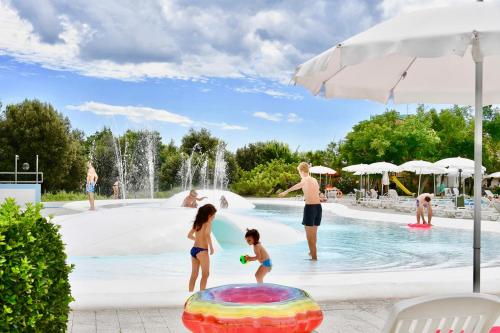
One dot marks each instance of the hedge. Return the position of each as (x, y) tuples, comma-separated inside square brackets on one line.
[(34, 286)]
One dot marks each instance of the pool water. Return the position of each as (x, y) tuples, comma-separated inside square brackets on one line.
[(344, 245)]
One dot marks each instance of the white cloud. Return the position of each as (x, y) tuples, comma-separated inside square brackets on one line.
[(293, 118), (134, 113), (278, 117), (268, 116), (224, 126), (268, 91), (390, 8), (135, 40)]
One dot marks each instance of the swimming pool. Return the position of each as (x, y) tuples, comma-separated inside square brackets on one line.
[(344, 245)]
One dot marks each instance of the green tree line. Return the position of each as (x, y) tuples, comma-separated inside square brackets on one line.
[(259, 168)]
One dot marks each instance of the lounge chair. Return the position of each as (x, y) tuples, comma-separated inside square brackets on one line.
[(457, 313), (489, 194)]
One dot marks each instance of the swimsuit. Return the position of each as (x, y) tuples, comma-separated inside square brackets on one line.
[(90, 187), (195, 250), (312, 215), (267, 263)]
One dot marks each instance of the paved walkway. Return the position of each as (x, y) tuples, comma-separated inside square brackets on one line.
[(340, 317)]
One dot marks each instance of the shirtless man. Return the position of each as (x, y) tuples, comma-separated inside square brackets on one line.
[(90, 184), (424, 200), (312, 209), (191, 201)]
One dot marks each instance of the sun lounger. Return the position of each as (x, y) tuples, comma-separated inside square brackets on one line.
[(457, 313)]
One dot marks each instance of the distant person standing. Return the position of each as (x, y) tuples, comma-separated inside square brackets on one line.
[(90, 184), (116, 190), (312, 209)]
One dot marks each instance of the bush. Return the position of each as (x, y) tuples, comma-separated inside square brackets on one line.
[(68, 196), (34, 287), (267, 179)]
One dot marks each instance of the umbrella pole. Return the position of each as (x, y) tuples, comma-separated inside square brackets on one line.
[(419, 178), (478, 150)]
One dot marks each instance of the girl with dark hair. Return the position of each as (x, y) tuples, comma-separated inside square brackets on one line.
[(200, 233), (252, 237)]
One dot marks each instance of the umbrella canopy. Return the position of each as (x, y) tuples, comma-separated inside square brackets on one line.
[(432, 63), (437, 55), (322, 170), (381, 167), (422, 168), (458, 163), (493, 175), (355, 168)]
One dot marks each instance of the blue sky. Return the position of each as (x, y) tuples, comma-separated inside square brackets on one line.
[(168, 65)]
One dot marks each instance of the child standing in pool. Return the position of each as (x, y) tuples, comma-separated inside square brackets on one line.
[(253, 238), (200, 233)]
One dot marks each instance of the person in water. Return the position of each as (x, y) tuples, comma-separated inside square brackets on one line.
[(191, 201), (424, 201), (90, 184), (200, 233), (252, 237), (312, 209), (223, 202)]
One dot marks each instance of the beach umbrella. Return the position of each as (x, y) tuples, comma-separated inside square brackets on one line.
[(493, 175), (463, 165), (358, 170), (435, 55), (420, 168), (321, 170), (381, 168)]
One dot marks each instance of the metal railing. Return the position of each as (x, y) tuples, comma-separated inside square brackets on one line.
[(38, 177)]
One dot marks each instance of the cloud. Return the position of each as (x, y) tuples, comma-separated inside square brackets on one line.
[(136, 40), (278, 117), (134, 113), (268, 91), (224, 126), (268, 116), (293, 118), (390, 8)]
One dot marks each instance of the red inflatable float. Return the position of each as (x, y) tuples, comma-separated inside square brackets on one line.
[(252, 308), (419, 225)]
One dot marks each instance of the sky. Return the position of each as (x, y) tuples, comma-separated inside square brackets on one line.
[(171, 65)]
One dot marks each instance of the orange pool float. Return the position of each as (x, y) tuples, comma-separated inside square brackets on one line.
[(252, 308)]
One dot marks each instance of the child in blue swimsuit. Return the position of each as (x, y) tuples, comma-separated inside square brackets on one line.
[(253, 238), (200, 233)]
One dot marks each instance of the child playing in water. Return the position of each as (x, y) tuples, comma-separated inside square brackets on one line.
[(200, 233), (252, 237)]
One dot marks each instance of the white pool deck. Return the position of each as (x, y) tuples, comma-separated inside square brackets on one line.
[(353, 302)]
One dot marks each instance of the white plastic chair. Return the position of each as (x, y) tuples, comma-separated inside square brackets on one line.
[(457, 313)]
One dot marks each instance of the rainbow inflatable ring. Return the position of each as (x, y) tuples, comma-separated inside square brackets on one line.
[(251, 308)]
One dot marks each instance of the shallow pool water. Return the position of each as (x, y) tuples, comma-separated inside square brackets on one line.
[(344, 245)]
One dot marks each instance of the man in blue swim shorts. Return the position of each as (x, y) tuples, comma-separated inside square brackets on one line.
[(312, 210), (90, 184)]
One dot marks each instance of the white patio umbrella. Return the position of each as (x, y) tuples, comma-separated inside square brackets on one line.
[(493, 175), (381, 168), (433, 56), (358, 169), (463, 165), (420, 168), (321, 170)]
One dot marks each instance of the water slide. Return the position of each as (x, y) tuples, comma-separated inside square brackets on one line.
[(401, 186)]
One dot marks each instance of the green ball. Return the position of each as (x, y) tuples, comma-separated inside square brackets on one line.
[(243, 259)]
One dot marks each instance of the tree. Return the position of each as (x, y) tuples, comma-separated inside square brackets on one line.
[(258, 153), (171, 161), (101, 151), (206, 142), (32, 127)]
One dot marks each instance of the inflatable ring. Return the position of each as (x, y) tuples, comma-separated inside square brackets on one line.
[(420, 225), (251, 308)]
